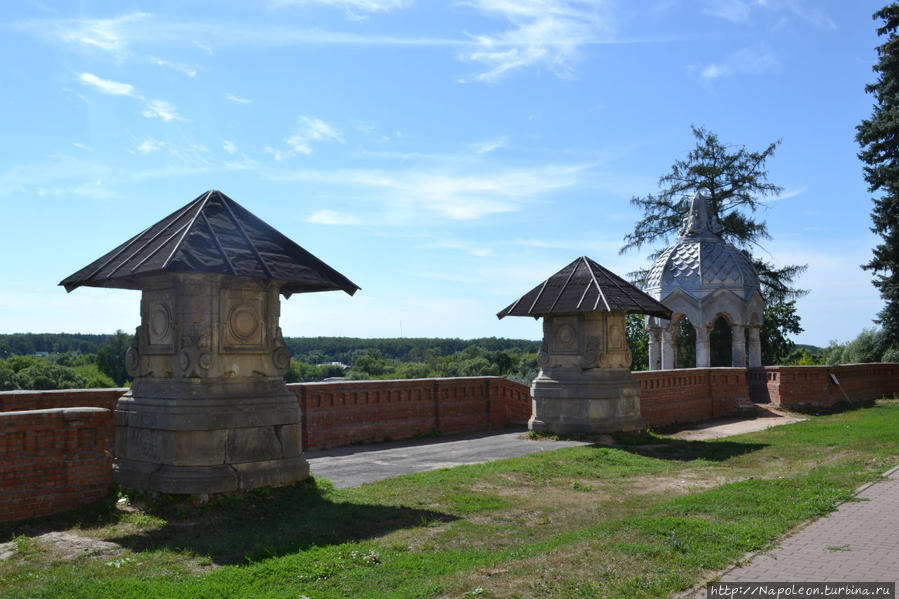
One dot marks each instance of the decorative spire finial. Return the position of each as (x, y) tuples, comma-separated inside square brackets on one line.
[(700, 222)]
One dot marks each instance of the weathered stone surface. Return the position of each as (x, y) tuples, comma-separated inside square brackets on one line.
[(208, 411), (585, 385)]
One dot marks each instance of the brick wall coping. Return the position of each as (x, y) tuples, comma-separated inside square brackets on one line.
[(376, 381), (63, 391), (61, 411)]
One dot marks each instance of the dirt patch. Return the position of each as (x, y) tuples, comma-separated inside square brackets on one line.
[(716, 429), (64, 546)]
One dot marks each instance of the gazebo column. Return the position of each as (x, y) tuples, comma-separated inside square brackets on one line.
[(703, 359), (755, 346), (669, 346), (655, 347), (738, 345)]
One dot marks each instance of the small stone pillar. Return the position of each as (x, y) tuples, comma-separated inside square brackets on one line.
[(208, 411), (655, 346), (703, 345), (738, 345), (585, 384), (669, 346), (755, 346)]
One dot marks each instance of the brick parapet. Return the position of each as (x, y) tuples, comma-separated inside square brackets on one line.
[(54, 460), (808, 387), (13, 401), (690, 394)]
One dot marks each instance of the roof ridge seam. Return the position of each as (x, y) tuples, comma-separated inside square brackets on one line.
[(187, 230)]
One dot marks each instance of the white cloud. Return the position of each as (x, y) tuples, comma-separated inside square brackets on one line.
[(178, 67), (543, 33), (150, 145), (113, 88), (330, 217), (229, 146), (237, 99), (369, 6), (741, 11), (485, 147), (109, 35), (160, 109), (152, 108), (310, 130), (749, 61)]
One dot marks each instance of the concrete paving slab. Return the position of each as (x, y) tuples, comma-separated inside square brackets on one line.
[(359, 464)]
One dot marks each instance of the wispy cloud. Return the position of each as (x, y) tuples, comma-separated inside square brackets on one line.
[(152, 108), (330, 217), (109, 35), (229, 146), (150, 145), (237, 99), (749, 61), (113, 88), (741, 11), (485, 147), (309, 130), (175, 66), (367, 6), (543, 33)]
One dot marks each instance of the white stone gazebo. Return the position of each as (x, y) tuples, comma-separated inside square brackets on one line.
[(703, 278)]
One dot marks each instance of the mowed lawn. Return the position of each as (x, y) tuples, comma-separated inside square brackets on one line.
[(647, 517)]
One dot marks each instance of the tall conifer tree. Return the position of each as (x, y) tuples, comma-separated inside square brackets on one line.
[(878, 137)]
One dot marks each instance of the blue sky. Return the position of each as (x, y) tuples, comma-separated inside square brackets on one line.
[(445, 156)]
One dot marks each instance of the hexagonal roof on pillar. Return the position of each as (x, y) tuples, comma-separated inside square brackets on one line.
[(216, 235), (584, 286)]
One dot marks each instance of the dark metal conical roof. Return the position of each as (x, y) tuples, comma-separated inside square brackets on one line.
[(212, 234), (584, 286)]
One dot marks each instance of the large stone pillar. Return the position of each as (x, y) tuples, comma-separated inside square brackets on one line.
[(755, 346), (669, 346), (703, 351), (738, 345), (208, 411), (655, 346), (585, 384)]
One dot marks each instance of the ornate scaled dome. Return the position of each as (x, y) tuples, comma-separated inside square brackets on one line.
[(703, 278), (701, 262)]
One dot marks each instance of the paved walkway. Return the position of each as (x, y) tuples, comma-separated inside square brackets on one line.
[(859, 542), (355, 465)]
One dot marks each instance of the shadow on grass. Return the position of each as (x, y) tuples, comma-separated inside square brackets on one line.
[(263, 523), (272, 522), (650, 445)]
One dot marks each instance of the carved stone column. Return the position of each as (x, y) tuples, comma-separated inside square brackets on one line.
[(585, 384), (669, 346), (655, 346), (208, 411), (738, 345), (755, 346), (703, 351)]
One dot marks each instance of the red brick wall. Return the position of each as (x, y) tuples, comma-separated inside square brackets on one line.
[(806, 387), (690, 395), (17, 401), (346, 412), (53, 460)]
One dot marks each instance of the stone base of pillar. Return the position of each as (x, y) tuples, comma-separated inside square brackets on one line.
[(208, 437), (590, 402)]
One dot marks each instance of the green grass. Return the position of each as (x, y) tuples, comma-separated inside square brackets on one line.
[(648, 517)]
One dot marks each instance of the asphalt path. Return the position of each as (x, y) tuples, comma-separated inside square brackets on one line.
[(359, 464)]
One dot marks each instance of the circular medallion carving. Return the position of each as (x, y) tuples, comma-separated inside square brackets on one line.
[(160, 321), (132, 361), (281, 359), (566, 337), (243, 322), (205, 360), (184, 360)]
